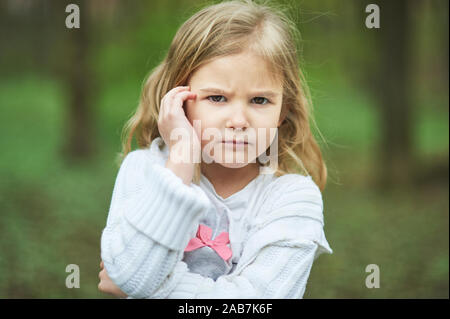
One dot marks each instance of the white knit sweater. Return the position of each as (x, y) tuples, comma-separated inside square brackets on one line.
[(275, 229)]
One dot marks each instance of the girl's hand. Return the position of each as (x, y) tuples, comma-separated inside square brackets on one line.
[(106, 285), (184, 153), (172, 116)]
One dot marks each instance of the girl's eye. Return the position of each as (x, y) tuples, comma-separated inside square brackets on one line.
[(216, 99), (263, 98)]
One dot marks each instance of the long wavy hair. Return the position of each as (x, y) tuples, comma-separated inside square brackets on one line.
[(229, 28)]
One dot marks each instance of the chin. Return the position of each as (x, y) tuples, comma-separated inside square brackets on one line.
[(233, 165), (246, 162)]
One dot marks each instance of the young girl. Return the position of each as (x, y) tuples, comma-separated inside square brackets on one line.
[(219, 227)]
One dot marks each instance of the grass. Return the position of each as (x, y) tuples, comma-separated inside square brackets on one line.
[(404, 232)]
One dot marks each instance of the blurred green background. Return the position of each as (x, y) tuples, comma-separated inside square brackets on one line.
[(381, 102)]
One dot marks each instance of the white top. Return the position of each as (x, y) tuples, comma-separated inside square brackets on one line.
[(275, 226)]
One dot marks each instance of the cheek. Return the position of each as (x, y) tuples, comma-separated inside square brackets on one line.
[(266, 132), (196, 111), (264, 138), (267, 121)]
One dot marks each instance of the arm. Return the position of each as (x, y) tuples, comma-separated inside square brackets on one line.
[(277, 257), (278, 270), (152, 216), (264, 278)]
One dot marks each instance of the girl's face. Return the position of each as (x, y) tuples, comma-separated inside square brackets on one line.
[(237, 99)]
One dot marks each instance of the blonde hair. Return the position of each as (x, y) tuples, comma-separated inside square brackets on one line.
[(229, 28)]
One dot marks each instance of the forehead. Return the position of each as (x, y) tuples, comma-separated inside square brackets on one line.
[(245, 70)]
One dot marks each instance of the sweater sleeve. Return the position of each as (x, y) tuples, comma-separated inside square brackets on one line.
[(280, 271), (277, 257), (152, 216)]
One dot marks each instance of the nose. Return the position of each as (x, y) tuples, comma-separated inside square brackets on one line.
[(238, 119)]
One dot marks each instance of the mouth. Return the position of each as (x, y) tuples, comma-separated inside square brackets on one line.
[(234, 142)]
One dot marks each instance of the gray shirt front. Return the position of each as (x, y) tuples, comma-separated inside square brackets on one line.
[(204, 260)]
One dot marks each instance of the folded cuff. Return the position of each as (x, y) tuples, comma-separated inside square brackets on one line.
[(167, 210)]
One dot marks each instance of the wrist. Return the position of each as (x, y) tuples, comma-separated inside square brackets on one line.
[(185, 171)]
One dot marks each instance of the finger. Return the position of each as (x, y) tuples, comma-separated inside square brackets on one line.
[(105, 288), (168, 97), (178, 101), (176, 90), (101, 264), (182, 96), (192, 96), (171, 97), (103, 275)]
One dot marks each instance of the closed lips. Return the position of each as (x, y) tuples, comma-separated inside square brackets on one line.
[(235, 142)]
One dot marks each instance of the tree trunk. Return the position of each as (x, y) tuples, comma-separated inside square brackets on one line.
[(78, 78), (396, 159)]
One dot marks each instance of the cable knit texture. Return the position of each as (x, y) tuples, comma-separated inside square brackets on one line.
[(275, 227)]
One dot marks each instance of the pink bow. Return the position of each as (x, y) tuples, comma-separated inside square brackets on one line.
[(219, 244)]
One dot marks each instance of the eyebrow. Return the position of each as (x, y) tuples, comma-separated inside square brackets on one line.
[(269, 94)]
